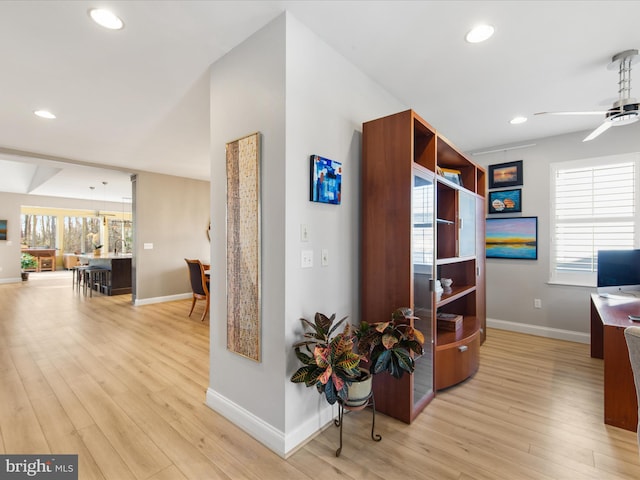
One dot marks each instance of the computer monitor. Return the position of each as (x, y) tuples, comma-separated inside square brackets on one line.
[(619, 272)]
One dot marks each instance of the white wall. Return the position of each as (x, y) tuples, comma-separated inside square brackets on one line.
[(10, 249), (247, 96), (512, 285), (328, 99), (172, 214), (305, 99)]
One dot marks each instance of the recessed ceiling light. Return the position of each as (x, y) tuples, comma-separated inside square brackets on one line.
[(106, 18), (517, 120), (479, 34), (44, 114)]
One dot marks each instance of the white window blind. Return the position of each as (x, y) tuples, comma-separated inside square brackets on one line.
[(423, 212), (594, 208)]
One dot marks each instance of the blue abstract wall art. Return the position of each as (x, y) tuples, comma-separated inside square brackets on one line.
[(326, 180)]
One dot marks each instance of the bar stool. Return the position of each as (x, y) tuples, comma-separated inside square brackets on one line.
[(106, 283), (77, 275), (94, 277)]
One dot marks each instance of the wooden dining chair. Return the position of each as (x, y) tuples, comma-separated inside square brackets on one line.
[(199, 285)]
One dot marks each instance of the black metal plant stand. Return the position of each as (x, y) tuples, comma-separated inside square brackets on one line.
[(370, 402)]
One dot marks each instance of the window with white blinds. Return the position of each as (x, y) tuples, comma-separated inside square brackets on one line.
[(594, 208)]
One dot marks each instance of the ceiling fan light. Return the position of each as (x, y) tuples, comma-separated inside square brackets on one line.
[(105, 18), (624, 119), (480, 33), (624, 115)]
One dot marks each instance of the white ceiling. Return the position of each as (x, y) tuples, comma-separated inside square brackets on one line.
[(137, 99)]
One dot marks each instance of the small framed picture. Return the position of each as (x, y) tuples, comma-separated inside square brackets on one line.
[(505, 174), (505, 201), (326, 180)]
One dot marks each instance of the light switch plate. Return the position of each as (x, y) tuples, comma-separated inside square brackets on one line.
[(324, 257), (148, 246)]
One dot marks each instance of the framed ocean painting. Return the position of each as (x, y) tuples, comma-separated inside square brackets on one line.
[(515, 238), (326, 180), (505, 174)]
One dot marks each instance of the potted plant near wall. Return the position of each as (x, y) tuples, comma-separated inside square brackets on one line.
[(331, 364), (386, 346), (27, 262), (329, 361)]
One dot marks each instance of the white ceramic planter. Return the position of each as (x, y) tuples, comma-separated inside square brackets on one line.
[(360, 391)]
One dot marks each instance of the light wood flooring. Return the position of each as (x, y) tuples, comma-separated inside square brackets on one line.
[(124, 388)]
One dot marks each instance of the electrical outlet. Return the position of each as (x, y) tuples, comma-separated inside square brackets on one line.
[(537, 303), (306, 259)]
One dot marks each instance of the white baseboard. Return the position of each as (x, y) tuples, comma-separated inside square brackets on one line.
[(548, 332), (274, 439), (168, 298), (310, 428), (247, 421), (11, 280)]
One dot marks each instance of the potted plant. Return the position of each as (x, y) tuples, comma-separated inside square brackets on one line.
[(329, 361), (97, 249), (27, 262), (333, 367), (386, 346)]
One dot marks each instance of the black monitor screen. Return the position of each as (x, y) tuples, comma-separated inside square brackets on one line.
[(619, 268)]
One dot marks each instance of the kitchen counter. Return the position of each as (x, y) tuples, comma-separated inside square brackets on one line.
[(120, 266)]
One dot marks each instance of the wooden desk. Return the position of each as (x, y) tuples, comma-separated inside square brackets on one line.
[(609, 319), (46, 254)]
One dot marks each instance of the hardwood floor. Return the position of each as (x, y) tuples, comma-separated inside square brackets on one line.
[(124, 388)]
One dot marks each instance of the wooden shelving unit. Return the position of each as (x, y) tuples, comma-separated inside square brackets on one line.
[(418, 226)]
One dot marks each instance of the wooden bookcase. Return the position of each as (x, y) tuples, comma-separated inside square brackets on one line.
[(418, 226)]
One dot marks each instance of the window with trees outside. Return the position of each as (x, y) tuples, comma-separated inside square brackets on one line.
[(120, 231), (38, 231), (594, 207), (80, 234), (75, 231)]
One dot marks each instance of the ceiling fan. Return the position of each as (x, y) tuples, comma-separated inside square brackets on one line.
[(626, 109)]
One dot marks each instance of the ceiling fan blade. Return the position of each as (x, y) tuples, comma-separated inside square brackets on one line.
[(571, 113), (601, 129)]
